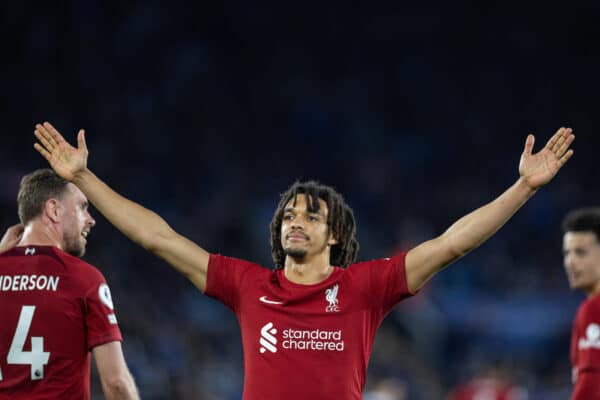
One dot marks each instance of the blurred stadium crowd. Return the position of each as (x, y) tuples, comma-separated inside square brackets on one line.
[(417, 113)]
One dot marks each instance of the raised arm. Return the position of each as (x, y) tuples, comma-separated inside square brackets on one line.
[(473, 229), (117, 382), (141, 225)]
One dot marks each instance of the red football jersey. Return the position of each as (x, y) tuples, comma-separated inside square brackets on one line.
[(55, 308), (585, 350), (307, 341)]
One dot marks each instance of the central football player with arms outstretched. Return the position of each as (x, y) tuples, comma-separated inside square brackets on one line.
[(308, 325)]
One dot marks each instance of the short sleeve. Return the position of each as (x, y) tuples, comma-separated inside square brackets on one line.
[(100, 318), (388, 281), (587, 386), (588, 338), (224, 279)]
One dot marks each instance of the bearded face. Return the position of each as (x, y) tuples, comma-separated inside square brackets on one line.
[(76, 221)]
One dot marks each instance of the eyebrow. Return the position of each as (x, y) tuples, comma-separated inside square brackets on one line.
[(293, 210)]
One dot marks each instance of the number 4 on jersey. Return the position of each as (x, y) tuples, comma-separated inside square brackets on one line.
[(37, 357)]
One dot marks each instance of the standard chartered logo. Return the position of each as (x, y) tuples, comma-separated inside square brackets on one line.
[(268, 341), (299, 339)]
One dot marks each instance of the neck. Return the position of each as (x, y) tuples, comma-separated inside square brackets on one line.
[(592, 292), (307, 272), (38, 233)]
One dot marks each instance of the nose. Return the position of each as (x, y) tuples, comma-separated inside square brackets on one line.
[(91, 221), (569, 261), (297, 224)]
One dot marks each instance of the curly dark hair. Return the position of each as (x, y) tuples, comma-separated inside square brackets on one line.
[(340, 220), (583, 219)]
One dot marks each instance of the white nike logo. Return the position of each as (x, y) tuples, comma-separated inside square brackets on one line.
[(265, 300)]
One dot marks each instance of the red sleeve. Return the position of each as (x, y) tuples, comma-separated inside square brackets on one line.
[(388, 280), (587, 386), (588, 338), (224, 279), (100, 318)]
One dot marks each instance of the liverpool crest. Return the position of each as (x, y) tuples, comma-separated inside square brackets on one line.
[(331, 297)]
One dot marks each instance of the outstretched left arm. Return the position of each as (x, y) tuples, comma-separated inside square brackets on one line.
[(466, 234)]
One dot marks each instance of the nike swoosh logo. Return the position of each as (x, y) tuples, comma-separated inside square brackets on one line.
[(265, 300)]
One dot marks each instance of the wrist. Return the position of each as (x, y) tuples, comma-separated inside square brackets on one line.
[(81, 176), (525, 186)]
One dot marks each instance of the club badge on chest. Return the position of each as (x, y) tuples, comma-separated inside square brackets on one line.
[(332, 300)]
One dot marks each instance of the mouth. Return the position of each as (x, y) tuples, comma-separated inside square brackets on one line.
[(85, 234), (297, 236), (573, 276)]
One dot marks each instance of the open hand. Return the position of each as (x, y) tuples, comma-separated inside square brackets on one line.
[(539, 168), (66, 160)]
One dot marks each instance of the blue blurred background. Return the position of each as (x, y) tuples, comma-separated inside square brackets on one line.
[(416, 112)]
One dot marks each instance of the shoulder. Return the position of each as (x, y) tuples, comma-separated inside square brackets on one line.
[(46, 254), (590, 309), (233, 270), (378, 272), (384, 280), (220, 261), (395, 261), (78, 268)]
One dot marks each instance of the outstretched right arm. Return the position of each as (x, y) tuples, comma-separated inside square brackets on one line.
[(141, 225), (146, 228)]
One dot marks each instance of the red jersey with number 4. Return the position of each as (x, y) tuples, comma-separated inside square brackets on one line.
[(55, 308), (585, 350), (307, 341)]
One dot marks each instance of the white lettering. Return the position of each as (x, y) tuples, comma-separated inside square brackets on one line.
[(53, 283), (316, 339), (7, 282), (41, 285), (15, 285), (292, 344), (28, 282), (24, 280)]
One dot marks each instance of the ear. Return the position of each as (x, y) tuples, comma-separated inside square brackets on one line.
[(52, 210), (332, 240)]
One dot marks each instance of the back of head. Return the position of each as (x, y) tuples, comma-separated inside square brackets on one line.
[(35, 189), (340, 220), (583, 220)]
